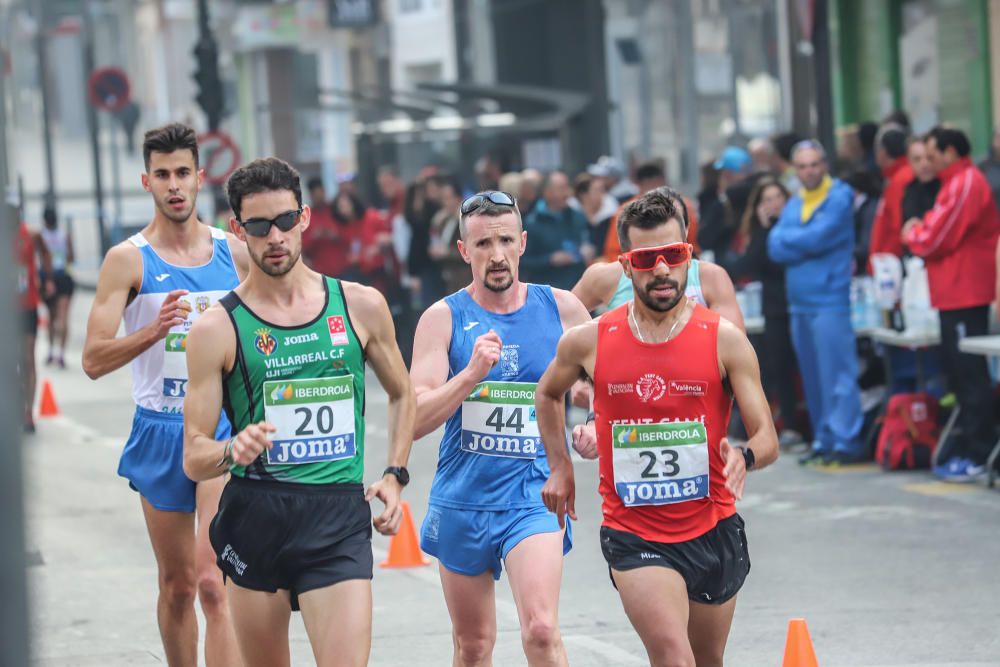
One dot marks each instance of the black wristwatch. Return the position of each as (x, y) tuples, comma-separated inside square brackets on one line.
[(748, 458), (401, 474)]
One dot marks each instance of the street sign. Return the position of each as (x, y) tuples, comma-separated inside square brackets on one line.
[(109, 88), (219, 156)]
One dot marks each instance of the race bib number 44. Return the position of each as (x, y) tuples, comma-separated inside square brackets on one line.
[(314, 420), (498, 419), (659, 464)]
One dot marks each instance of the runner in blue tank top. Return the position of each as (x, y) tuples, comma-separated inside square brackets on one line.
[(477, 356), (160, 281)]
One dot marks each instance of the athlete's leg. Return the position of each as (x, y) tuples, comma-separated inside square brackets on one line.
[(261, 622), (472, 606), (220, 639), (172, 537), (62, 329), (656, 602), (708, 630), (534, 566), (338, 620)]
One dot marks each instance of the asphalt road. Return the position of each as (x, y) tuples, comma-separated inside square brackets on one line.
[(887, 569)]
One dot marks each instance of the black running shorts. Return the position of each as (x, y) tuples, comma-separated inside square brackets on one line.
[(298, 537), (714, 565)]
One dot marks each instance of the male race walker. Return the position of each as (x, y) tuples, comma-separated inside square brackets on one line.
[(285, 355), (665, 370), (160, 281), (477, 356)]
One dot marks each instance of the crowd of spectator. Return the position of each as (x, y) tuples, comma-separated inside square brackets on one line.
[(781, 212)]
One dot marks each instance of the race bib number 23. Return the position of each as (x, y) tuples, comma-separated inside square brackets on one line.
[(659, 464)]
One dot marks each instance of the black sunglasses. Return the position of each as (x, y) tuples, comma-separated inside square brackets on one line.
[(480, 198), (261, 227)]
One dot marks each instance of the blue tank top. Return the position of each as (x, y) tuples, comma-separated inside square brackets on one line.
[(623, 293), (159, 375), (491, 456)]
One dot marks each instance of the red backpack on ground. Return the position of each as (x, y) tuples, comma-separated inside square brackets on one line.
[(909, 433)]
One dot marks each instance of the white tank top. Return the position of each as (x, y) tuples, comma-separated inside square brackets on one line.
[(159, 375), (57, 241)]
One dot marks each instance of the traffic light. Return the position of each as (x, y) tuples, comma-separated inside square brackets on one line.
[(210, 94)]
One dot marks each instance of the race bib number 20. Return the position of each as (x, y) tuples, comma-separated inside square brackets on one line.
[(660, 464), (314, 420), (498, 419)]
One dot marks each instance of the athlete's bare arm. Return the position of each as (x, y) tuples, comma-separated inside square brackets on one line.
[(597, 284), (738, 364), (121, 273), (719, 292), (571, 311), (437, 396), (241, 258), (373, 322), (211, 352), (575, 355)]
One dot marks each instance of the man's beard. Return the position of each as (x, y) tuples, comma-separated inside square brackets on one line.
[(279, 270), (501, 283), (661, 305)]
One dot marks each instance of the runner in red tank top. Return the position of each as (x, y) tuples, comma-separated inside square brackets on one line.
[(665, 371), (27, 243)]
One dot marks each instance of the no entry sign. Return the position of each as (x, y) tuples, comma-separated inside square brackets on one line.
[(218, 155), (108, 89)]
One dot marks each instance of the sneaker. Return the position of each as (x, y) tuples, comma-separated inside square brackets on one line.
[(49, 360), (62, 363), (812, 457), (961, 470), (839, 458)]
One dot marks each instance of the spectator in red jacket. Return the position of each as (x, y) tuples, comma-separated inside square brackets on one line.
[(957, 239), (890, 154)]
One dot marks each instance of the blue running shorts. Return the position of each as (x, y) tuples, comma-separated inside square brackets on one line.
[(153, 459), (471, 542)]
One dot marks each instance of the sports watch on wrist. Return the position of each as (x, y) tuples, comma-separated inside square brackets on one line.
[(748, 457), (401, 474)]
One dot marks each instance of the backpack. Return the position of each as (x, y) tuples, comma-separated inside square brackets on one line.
[(909, 433)]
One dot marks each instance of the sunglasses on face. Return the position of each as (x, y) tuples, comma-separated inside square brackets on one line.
[(646, 259), (480, 198), (261, 227)]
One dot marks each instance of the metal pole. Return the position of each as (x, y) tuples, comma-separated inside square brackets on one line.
[(41, 51), (824, 84), (689, 105), (14, 631), (116, 183), (92, 120)]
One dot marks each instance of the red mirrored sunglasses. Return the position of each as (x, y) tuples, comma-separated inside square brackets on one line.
[(646, 259)]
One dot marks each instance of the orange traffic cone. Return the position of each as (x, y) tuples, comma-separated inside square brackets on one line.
[(48, 407), (404, 549), (798, 648)]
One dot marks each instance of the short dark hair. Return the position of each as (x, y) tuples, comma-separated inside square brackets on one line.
[(783, 144), (315, 182), (167, 139), (264, 174), (950, 137), (866, 135), (898, 117), (893, 141), (648, 171), (490, 210), (656, 207)]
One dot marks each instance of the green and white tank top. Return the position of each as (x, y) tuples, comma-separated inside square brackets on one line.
[(308, 381), (623, 293)]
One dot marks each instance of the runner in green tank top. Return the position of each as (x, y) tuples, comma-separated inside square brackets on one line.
[(284, 354)]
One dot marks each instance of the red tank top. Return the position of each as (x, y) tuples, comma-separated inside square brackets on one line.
[(27, 274), (661, 410)]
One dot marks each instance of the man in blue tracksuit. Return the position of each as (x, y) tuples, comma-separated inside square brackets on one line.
[(814, 239)]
